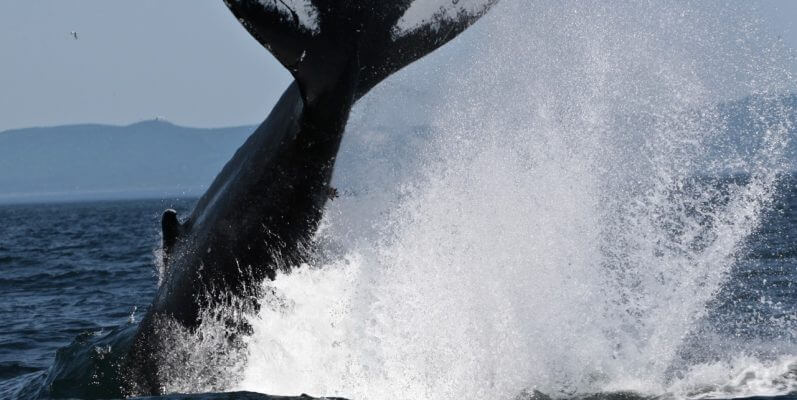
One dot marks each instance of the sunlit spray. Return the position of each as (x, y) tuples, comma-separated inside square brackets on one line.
[(527, 210)]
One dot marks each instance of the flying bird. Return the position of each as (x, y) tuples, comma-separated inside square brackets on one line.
[(73, 34)]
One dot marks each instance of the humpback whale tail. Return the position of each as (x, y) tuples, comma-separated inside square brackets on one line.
[(326, 42)]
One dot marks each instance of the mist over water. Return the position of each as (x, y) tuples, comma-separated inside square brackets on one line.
[(533, 208)]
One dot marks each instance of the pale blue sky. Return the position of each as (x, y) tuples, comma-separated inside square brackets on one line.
[(188, 61)]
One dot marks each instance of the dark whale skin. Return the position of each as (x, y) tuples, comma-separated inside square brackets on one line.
[(255, 219), (263, 206)]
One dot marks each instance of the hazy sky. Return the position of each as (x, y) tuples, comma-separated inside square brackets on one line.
[(188, 61)]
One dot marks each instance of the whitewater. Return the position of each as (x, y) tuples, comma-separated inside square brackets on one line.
[(525, 211)]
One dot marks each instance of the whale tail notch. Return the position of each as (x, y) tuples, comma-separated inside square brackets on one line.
[(326, 42)]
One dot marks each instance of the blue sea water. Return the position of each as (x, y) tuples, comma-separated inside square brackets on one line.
[(69, 269)]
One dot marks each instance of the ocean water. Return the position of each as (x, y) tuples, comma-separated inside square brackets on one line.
[(86, 269), (71, 270), (579, 200)]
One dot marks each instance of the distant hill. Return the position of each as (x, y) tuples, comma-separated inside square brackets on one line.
[(146, 159), (156, 159)]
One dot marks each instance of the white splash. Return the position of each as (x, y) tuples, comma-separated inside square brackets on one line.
[(740, 378), (537, 228)]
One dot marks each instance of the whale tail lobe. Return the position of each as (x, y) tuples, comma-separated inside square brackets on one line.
[(324, 43)]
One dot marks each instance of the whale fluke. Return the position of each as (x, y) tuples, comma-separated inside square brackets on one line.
[(322, 42)]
